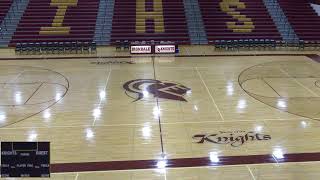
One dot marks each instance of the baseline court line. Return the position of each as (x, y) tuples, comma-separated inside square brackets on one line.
[(212, 99)]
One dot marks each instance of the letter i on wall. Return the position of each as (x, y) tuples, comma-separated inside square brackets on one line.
[(57, 27)]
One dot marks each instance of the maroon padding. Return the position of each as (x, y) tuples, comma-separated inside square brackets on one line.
[(182, 162)]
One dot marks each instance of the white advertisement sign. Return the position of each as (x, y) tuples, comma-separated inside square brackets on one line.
[(137, 49), (165, 49)]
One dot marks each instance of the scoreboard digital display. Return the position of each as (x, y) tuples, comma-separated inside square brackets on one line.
[(25, 159)]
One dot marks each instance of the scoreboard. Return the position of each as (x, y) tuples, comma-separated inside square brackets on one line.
[(25, 159)]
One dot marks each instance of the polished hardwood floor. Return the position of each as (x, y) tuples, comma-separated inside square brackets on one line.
[(201, 117)]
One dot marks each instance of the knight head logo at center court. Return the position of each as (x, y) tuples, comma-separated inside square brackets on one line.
[(144, 88)]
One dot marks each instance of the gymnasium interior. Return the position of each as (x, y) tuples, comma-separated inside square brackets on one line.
[(160, 89)]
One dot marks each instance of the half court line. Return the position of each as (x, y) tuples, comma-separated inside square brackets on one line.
[(158, 110), (104, 90)]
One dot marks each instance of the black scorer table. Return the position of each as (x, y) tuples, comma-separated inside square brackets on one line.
[(25, 159)]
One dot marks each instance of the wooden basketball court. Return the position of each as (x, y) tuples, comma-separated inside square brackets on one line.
[(190, 117)]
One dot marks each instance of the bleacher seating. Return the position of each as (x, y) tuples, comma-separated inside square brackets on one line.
[(303, 18), (224, 21), (235, 20), (57, 21), (4, 8), (129, 22)]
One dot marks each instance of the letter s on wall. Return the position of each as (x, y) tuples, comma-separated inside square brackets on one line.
[(246, 23)]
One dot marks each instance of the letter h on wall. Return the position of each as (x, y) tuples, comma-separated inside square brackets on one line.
[(156, 15)]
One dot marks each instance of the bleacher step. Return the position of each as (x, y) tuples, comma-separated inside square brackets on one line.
[(9, 25)]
